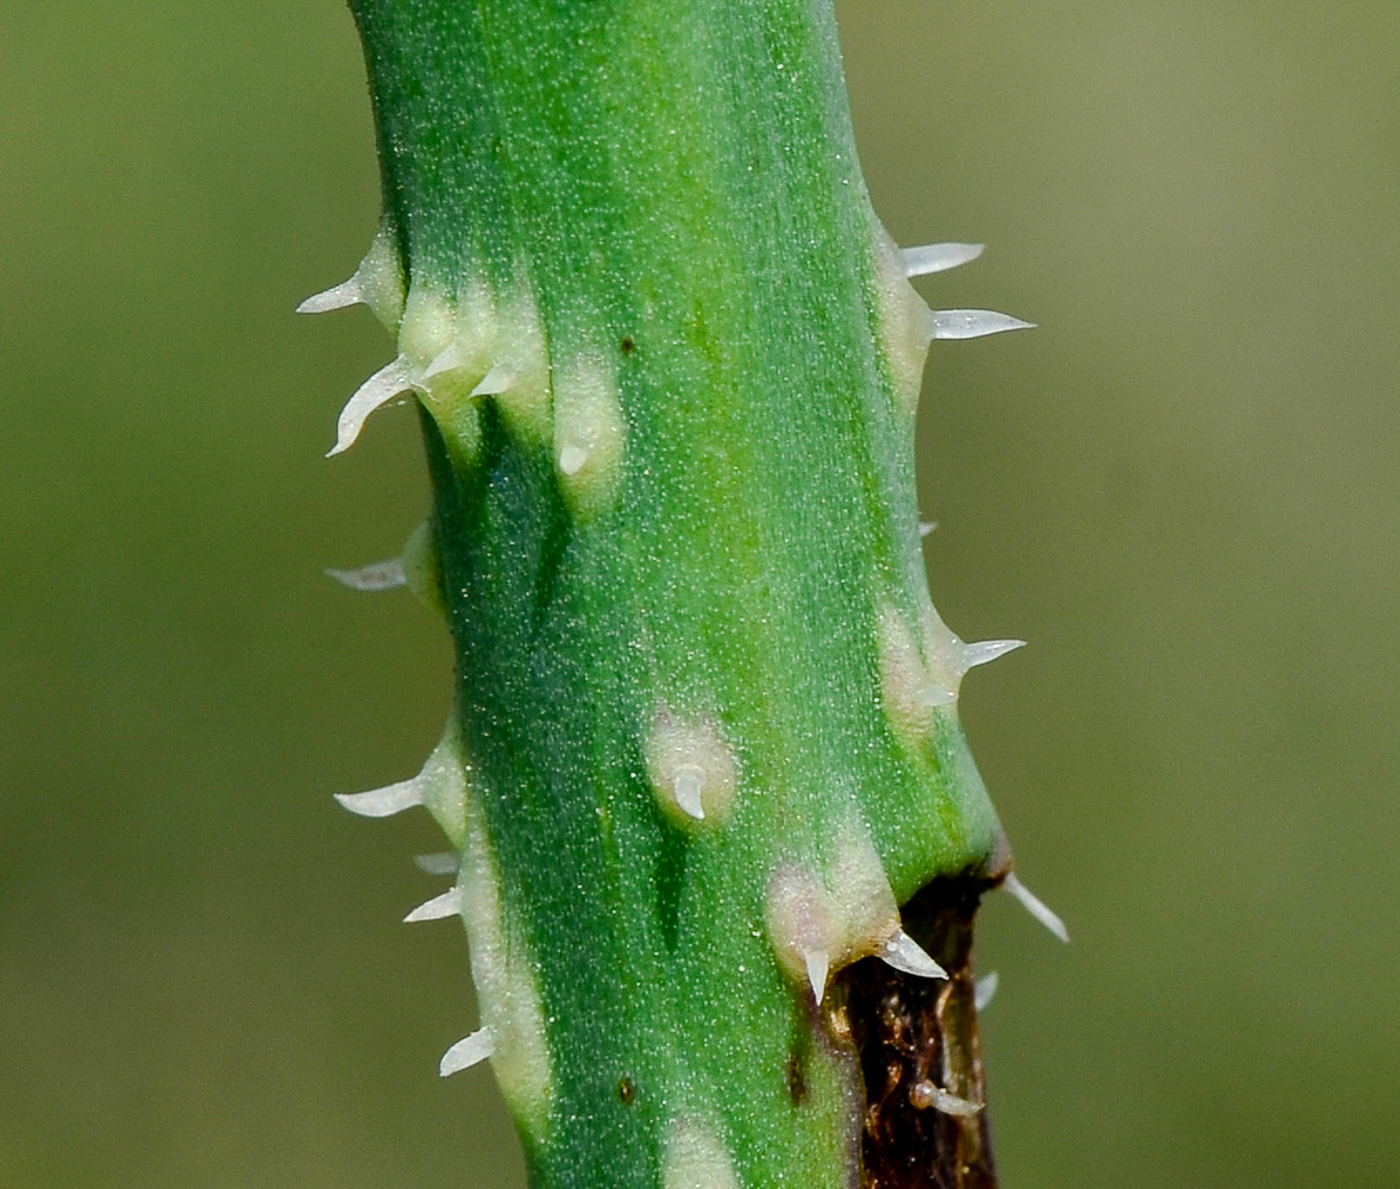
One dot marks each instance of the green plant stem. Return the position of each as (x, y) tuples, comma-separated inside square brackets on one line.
[(667, 362)]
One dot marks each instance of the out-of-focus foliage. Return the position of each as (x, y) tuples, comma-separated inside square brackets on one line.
[(1182, 489)]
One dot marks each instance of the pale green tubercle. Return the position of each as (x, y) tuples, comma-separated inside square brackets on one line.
[(693, 772), (903, 322), (589, 434), (422, 569), (695, 1157), (506, 983)]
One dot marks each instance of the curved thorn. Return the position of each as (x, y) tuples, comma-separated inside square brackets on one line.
[(926, 527), (443, 863), (380, 575), (687, 785), (385, 802), (927, 258), (449, 904), (469, 1051), (1036, 907), (818, 967), (983, 652), (951, 1104), (905, 954), (984, 989), (971, 324), (494, 382), (446, 360), (337, 297), (379, 389), (924, 1094)]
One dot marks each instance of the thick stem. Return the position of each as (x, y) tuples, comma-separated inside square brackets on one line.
[(705, 736)]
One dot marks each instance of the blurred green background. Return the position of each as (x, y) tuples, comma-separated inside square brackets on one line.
[(1182, 490)]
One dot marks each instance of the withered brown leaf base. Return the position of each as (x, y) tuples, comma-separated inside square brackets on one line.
[(914, 1035)]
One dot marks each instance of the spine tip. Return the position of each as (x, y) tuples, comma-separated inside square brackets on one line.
[(380, 575), (984, 990), (1034, 905), (971, 324)]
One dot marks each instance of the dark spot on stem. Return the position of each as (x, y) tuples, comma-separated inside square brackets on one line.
[(626, 1092), (628, 346), (796, 1078)]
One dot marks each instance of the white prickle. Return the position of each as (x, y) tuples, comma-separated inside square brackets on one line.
[(469, 1051), (690, 780), (440, 786), (461, 357), (915, 681), (390, 380), (924, 1094), (377, 283), (493, 383), (926, 527), (380, 575), (338, 297), (948, 659), (971, 324), (452, 349), (928, 258), (442, 863), (449, 904), (984, 990), (905, 954), (985, 651), (449, 359), (819, 925), (385, 802), (572, 458), (1034, 905), (818, 966)]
